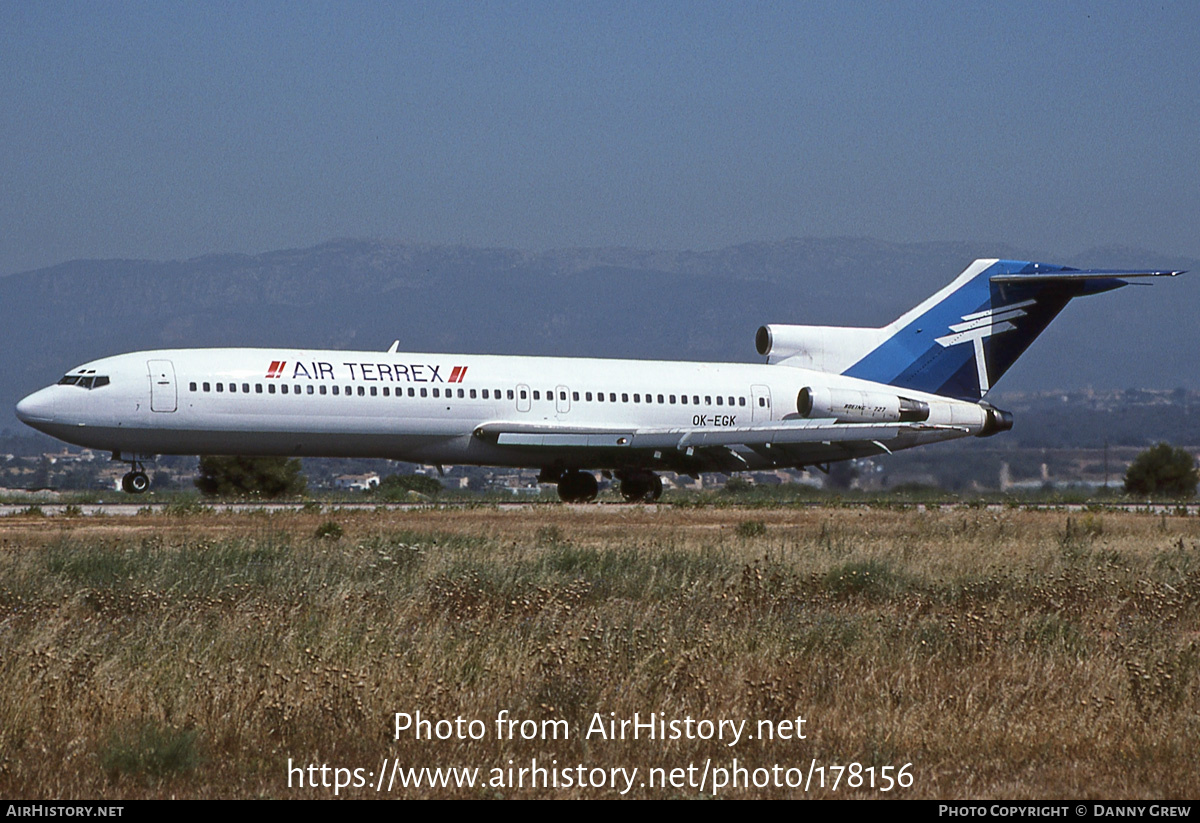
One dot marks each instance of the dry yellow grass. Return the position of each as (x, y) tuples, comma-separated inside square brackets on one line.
[(1006, 654)]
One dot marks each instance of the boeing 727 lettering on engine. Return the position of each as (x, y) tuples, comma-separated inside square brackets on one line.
[(825, 394)]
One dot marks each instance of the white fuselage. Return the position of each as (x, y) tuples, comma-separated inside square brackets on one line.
[(433, 408)]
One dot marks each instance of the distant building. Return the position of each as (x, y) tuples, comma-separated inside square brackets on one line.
[(356, 482)]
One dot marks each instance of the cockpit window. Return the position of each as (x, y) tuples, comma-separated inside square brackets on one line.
[(85, 381)]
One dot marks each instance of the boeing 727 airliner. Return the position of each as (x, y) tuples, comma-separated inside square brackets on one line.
[(825, 394)]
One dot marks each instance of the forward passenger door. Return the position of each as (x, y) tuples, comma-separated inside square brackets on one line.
[(163, 397)]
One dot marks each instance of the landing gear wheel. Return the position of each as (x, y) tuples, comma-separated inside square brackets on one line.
[(641, 487), (633, 490), (655, 489), (578, 487), (135, 482)]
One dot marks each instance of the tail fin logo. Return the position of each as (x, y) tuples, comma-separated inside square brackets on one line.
[(980, 325)]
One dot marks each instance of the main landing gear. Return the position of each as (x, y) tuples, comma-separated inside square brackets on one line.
[(640, 486), (637, 485), (135, 481), (574, 486)]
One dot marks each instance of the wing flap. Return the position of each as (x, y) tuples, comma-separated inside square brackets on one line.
[(564, 439)]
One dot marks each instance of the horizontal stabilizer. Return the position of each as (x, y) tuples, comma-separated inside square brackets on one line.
[(1070, 275)]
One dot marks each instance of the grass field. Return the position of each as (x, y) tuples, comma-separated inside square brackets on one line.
[(1003, 654)]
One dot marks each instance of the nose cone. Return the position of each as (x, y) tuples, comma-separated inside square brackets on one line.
[(37, 408)]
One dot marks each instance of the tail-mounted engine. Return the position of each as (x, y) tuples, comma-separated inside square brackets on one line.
[(824, 348), (852, 406), (997, 421)]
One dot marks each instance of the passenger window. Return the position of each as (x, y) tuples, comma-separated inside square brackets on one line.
[(245, 388), (282, 389), (599, 397), (335, 391), (374, 391), (720, 400), (258, 388), (510, 394), (624, 397), (562, 395), (660, 398), (323, 389), (683, 399), (707, 400), (537, 395), (191, 386), (413, 392), (460, 394), (424, 392), (731, 401), (270, 388), (233, 388), (387, 392), (637, 398), (472, 393), (220, 387), (588, 395), (361, 391), (612, 397), (672, 399), (575, 396), (310, 389), (485, 394), (695, 400)]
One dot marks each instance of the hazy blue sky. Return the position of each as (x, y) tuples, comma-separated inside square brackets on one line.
[(168, 130)]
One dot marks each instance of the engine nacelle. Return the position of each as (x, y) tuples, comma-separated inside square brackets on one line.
[(997, 421), (823, 348), (853, 406)]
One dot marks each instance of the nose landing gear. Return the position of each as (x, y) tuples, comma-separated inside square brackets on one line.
[(135, 481)]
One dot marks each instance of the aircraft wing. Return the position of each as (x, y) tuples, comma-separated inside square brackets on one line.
[(689, 451)]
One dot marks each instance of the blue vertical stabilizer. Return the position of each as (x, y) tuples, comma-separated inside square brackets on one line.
[(962, 340)]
